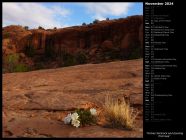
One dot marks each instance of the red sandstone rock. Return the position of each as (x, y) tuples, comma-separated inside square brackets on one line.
[(107, 44), (105, 34), (35, 103)]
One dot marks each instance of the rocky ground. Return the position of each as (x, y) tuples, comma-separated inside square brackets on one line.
[(35, 103)]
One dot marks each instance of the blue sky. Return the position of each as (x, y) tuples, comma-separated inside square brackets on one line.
[(64, 14)]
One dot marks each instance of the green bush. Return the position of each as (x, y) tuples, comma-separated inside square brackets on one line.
[(12, 58), (26, 28), (81, 58), (11, 61), (84, 24), (85, 117), (136, 51), (69, 60), (95, 21), (21, 68), (12, 64), (6, 35), (41, 28)]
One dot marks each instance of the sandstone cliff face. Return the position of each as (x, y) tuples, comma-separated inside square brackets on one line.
[(100, 42), (12, 37)]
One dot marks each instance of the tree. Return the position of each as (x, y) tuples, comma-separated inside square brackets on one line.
[(40, 28), (26, 27), (107, 18), (95, 21), (84, 24)]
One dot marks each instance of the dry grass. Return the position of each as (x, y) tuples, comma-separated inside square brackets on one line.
[(118, 113)]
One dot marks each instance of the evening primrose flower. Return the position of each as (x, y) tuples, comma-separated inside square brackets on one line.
[(76, 123), (67, 119), (74, 116), (93, 111)]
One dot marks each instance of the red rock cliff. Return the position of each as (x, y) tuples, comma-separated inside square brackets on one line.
[(105, 40)]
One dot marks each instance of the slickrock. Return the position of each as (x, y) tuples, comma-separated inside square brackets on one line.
[(35, 103)]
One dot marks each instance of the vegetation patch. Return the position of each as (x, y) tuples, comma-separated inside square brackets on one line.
[(68, 59), (81, 117), (118, 113), (21, 68), (81, 58), (30, 51), (135, 51), (86, 117), (12, 64)]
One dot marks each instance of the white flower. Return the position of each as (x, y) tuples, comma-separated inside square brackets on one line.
[(74, 116), (76, 123), (67, 119), (93, 111)]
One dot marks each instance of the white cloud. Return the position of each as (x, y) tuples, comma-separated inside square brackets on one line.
[(33, 15), (102, 10)]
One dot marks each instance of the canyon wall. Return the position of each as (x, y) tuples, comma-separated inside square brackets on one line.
[(94, 43)]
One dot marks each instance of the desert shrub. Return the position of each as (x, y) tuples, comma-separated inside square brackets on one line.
[(69, 59), (6, 35), (136, 53), (41, 28), (21, 68), (118, 113), (55, 28), (26, 27), (85, 117), (65, 58), (95, 21), (136, 50), (11, 60), (81, 58), (30, 51), (84, 24), (12, 64)]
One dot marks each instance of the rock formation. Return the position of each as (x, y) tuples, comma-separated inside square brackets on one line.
[(100, 42), (35, 103)]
